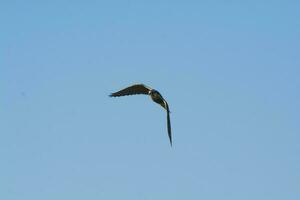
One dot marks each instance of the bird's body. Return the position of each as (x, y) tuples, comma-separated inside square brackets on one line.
[(155, 96)]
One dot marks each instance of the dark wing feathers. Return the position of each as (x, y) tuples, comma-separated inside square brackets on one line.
[(132, 90), (169, 123)]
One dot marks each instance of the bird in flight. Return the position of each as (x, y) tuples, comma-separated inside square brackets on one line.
[(155, 96)]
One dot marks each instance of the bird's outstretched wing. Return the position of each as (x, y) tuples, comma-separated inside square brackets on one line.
[(168, 122), (132, 90)]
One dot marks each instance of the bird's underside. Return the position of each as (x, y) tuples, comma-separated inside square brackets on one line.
[(155, 95)]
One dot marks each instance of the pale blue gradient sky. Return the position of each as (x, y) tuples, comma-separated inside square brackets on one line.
[(229, 70)]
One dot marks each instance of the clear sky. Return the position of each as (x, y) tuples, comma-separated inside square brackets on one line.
[(230, 71)]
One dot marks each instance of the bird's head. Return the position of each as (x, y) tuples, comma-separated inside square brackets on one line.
[(154, 93)]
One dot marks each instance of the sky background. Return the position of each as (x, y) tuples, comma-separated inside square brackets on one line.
[(228, 69)]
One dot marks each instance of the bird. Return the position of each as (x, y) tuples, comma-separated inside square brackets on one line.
[(155, 96)]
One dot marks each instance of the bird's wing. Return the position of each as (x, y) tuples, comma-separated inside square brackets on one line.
[(168, 122), (131, 90)]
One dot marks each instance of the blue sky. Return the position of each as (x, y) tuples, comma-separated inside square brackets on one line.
[(229, 71)]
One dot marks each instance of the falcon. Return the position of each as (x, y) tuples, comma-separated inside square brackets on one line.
[(155, 96)]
